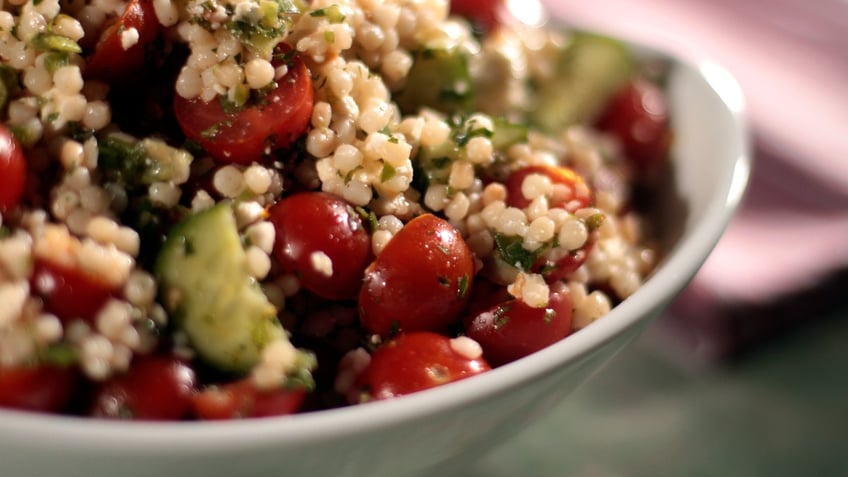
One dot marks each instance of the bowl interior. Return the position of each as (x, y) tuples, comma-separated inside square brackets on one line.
[(711, 168)]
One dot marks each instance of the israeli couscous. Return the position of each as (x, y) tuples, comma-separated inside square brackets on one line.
[(216, 209)]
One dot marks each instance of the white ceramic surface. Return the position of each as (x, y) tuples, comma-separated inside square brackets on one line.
[(407, 436)]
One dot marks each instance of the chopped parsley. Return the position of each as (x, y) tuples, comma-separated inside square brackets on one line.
[(388, 172), (332, 13), (52, 42), (369, 218), (213, 130), (512, 251), (462, 285), (464, 129), (501, 316), (594, 221)]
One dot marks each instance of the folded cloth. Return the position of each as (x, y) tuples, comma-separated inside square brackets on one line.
[(784, 258)]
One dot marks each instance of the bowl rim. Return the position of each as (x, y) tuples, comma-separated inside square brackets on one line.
[(301, 429)]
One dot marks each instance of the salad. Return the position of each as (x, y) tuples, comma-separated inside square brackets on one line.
[(218, 209)]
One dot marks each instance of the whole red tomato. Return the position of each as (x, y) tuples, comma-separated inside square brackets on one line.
[(485, 15), (68, 292), (12, 170), (257, 129), (514, 329), (110, 61), (421, 280), (313, 226), (241, 399), (412, 362), (154, 388), (577, 196), (638, 116), (38, 388)]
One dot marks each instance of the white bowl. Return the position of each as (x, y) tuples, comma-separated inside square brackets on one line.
[(446, 425)]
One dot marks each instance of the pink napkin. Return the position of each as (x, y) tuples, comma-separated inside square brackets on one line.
[(784, 258)]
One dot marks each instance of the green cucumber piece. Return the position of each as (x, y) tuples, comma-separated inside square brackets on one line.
[(205, 286), (591, 69), (438, 79)]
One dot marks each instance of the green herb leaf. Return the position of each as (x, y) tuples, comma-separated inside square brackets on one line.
[(512, 251), (52, 42), (594, 221), (388, 172), (501, 316), (462, 285)]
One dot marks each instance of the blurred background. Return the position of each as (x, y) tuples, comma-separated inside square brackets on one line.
[(747, 373)]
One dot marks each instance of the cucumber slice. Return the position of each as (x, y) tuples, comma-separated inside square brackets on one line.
[(206, 287), (591, 69), (438, 79)]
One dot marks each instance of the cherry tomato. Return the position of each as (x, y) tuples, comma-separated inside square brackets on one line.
[(412, 362), (154, 388), (110, 60), (38, 388), (314, 226), (560, 264), (420, 281), (570, 190), (68, 292), (12, 170), (485, 15), (255, 130), (485, 295), (638, 116), (241, 399), (514, 329)]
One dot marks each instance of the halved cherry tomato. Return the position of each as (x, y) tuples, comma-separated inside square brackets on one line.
[(12, 170), (514, 329), (255, 130), (412, 362), (314, 226), (572, 194), (112, 59), (485, 15), (638, 116), (154, 388), (241, 399), (420, 281), (68, 292), (38, 388)]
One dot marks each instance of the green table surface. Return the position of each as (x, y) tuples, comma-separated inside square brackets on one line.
[(781, 410)]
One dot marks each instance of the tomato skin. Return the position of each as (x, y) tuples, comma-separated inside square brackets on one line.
[(319, 222), (421, 280), (513, 329), (154, 388), (241, 399), (412, 362), (110, 61), (485, 15), (68, 292), (13, 170), (562, 267), (249, 134), (579, 198), (638, 116), (39, 388)]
